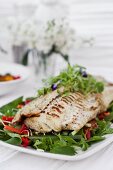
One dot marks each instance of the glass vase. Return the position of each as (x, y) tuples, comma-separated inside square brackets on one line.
[(18, 52), (46, 66)]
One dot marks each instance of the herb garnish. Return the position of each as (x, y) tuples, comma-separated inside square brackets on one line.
[(73, 79)]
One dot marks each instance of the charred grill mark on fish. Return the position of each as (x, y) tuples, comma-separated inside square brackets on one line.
[(71, 112)]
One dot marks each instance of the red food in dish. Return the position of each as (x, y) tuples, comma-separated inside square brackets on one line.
[(7, 118), (25, 141)]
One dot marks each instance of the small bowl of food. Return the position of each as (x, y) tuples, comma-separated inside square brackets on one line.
[(8, 77), (11, 75)]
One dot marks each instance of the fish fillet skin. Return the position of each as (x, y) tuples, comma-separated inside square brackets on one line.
[(71, 112)]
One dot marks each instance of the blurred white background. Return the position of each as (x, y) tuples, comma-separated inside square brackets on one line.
[(89, 17)]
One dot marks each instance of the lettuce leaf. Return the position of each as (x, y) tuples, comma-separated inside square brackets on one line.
[(8, 109)]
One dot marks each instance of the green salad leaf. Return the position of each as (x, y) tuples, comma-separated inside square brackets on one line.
[(64, 150), (14, 141), (104, 127), (110, 109), (44, 143), (59, 144), (3, 135), (110, 117), (66, 143), (11, 138), (83, 144), (9, 109), (95, 139)]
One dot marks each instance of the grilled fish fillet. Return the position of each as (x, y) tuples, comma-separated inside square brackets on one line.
[(72, 112)]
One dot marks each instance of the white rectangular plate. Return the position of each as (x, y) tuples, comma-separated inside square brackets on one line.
[(93, 149), (105, 72)]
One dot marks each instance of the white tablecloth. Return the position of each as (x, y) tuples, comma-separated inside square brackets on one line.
[(102, 160)]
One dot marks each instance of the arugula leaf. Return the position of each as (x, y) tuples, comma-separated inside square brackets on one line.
[(55, 143), (14, 141), (110, 108), (8, 109), (4, 136), (13, 135), (44, 143), (83, 144), (95, 139), (69, 141), (43, 91), (104, 127), (11, 138), (40, 136), (76, 137), (65, 150)]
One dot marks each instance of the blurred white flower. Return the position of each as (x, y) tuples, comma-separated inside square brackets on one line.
[(43, 36)]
